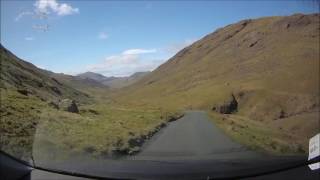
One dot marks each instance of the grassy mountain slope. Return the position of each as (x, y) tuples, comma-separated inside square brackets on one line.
[(121, 82), (26, 78), (84, 84), (113, 82), (26, 92), (95, 76), (100, 128), (270, 65)]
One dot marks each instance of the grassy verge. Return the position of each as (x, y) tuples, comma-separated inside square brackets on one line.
[(101, 129), (19, 116), (257, 136)]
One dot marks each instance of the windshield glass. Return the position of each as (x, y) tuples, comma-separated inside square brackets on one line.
[(113, 88)]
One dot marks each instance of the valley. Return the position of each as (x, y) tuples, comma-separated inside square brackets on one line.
[(257, 79)]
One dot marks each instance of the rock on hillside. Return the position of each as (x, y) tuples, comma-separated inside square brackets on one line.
[(68, 105), (228, 107)]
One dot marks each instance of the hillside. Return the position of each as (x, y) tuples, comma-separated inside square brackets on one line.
[(113, 82), (95, 76), (67, 113), (27, 92), (258, 79), (121, 82), (268, 66), (26, 78), (80, 83)]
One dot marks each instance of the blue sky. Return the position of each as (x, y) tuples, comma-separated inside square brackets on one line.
[(118, 38)]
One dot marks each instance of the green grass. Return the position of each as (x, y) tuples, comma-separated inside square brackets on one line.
[(258, 136), (19, 118), (99, 128), (107, 129)]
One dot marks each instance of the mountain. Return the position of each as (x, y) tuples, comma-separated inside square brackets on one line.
[(95, 76), (28, 95), (269, 67), (21, 76), (139, 74), (120, 82), (113, 82), (40, 105), (80, 83)]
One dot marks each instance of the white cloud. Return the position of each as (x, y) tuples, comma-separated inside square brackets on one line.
[(103, 35), (29, 38), (47, 6), (124, 64), (139, 51), (66, 9), (135, 60)]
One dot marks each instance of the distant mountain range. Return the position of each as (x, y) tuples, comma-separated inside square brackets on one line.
[(26, 77), (113, 82), (95, 76)]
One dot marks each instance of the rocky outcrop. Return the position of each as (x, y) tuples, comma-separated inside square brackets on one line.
[(68, 105), (228, 107), (24, 92), (53, 105)]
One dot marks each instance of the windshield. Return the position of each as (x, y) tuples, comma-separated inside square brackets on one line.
[(114, 88)]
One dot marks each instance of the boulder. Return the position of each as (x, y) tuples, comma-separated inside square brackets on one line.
[(228, 107), (24, 92), (56, 90), (68, 105), (53, 105)]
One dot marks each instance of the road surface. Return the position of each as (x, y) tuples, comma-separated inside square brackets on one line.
[(194, 135), (189, 148)]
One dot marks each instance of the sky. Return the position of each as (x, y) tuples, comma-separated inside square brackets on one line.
[(118, 38)]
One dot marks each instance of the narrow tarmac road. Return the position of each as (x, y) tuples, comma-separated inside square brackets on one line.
[(194, 135), (189, 148)]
